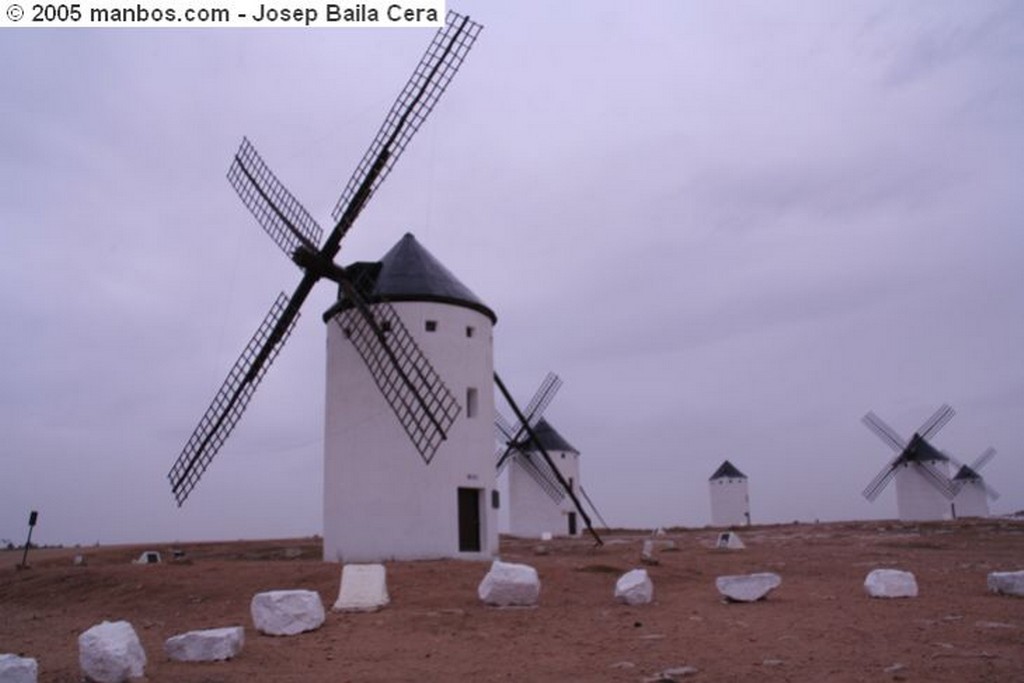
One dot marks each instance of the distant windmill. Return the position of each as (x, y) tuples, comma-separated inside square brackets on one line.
[(730, 500), (972, 491), (424, 406), (542, 468), (923, 487)]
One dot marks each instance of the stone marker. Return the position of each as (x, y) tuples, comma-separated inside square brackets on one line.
[(647, 553), (730, 540), (890, 583), (15, 669), (747, 587), (1006, 583), (546, 536), (364, 588), (110, 652), (209, 645), (510, 585), (287, 613), (634, 588)]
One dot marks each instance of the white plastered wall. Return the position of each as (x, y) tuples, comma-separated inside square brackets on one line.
[(531, 511), (916, 498), (972, 500), (381, 501), (730, 501)]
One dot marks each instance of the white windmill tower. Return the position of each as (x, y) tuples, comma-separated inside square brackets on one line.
[(540, 468), (730, 499), (921, 471), (380, 502), (972, 491)]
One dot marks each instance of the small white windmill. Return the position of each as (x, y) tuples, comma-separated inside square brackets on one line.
[(730, 499), (542, 471), (921, 471), (972, 491)]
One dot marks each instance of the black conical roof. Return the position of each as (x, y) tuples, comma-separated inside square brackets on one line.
[(919, 450), (727, 471), (550, 439), (408, 272), (966, 473)]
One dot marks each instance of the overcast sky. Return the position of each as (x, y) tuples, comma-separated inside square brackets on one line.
[(732, 229)]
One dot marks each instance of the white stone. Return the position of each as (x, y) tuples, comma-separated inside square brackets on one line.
[(209, 645), (364, 588), (15, 669), (634, 588), (730, 540), (890, 583), (148, 557), (546, 536), (747, 587), (647, 553), (110, 652), (508, 584), (287, 612), (1006, 583)]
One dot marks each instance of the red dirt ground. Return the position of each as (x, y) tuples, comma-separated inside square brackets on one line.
[(818, 626)]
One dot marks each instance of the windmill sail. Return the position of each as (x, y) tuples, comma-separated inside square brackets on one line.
[(417, 396), (229, 403), (419, 96), (277, 211), (412, 388)]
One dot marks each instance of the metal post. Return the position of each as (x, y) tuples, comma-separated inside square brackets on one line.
[(32, 517)]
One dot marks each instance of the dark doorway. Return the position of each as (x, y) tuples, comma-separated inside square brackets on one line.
[(469, 520), (572, 523)]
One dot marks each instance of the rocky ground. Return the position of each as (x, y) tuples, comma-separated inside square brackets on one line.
[(817, 626)]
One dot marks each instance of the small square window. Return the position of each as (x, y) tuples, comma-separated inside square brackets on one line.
[(431, 326), (469, 331)]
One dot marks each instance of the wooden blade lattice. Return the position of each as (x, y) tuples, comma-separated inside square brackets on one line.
[(229, 403), (419, 399), (426, 85), (276, 209)]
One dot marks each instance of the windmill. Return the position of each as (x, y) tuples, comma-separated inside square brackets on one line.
[(423, 405), (730, 501), (543, 468), (972, 491), (923, 487)]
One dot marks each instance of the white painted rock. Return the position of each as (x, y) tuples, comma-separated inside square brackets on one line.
[(1007, 583), (15, 669), (364, 588), (647, 553), (634, 588), (747, 587), (508, 584), (890, 583), (210, 645), (730, 540), (110, 652), (287, 613)]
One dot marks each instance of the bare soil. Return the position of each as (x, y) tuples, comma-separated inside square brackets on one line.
[(817, 626)]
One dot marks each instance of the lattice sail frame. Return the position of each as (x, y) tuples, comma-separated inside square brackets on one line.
[(514, 448), (227, 406), (428, 82), (276, 209), (420, 400)]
